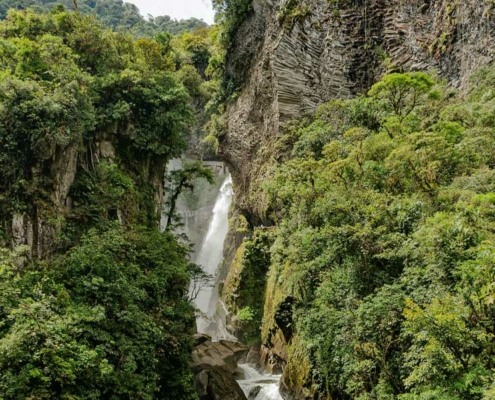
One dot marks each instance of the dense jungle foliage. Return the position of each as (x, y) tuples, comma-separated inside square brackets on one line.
[(104, 314), (115, 14), (385, 243)]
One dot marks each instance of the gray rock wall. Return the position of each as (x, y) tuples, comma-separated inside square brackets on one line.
[(290, 67)]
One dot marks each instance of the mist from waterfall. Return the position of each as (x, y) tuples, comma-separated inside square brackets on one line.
[(209, 258)]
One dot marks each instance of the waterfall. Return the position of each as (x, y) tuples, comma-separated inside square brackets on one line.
[(211, 321), (209, 258)]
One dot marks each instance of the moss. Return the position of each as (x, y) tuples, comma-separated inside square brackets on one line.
[(246, 283), (442, 42), (298, 371), (273, 297), (242, 225), (233, 280)]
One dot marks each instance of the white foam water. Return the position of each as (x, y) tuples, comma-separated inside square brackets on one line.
[(258, 386)]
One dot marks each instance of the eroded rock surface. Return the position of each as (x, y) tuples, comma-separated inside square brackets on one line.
[(214, 365)]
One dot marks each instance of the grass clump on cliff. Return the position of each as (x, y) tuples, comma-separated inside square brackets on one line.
[(291, 12), (231, 14)]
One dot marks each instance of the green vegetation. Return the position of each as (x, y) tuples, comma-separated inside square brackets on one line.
[(61, 93), (246, 284), (292, 12), (115, 14), (381, 275), (231, 14), (96, 307), (185, 179), (96, 323)]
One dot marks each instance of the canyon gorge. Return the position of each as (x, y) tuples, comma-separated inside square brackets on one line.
[(294, 203)]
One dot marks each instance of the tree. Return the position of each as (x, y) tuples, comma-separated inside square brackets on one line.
[(380, 279), (109, 319), (200, 280), (183, 179), (401, 92)]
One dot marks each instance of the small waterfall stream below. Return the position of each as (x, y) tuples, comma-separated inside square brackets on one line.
[(255, 385), (258, 386)]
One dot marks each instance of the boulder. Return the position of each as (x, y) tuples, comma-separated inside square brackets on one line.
[(254, 392), (201, 338), (223, 386), (214, 365), (240, 351), (254, 356), (201, 384)]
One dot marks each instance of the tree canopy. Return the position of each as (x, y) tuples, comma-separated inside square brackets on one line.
[(115, 14), (105, 313), (384, 243)]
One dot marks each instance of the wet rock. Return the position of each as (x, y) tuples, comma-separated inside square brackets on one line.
[(267, 381), (201, 384), (214, 365), (223, 386), (223, 353), (254, 392), (273, 359), (201, 338), (254, 356), (240, 351)]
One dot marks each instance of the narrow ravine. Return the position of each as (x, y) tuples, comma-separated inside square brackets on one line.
[(255, 385)]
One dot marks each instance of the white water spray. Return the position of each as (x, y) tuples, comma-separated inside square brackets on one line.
[(211, 253), (257, 386)]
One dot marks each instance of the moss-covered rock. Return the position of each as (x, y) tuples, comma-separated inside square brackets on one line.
[(245, 285)]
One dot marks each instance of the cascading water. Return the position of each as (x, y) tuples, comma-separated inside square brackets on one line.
[(210, 255), (256, 386)]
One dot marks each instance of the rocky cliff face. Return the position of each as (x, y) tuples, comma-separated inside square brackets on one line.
[(40, 225), (294, 55)]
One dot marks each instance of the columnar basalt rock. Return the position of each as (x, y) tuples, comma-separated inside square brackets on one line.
[(338, 52)]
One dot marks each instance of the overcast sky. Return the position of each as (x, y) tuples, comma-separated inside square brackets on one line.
[(179, 9)]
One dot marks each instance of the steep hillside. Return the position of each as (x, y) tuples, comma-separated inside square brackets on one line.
[(116, 14), (366, 198), (93, 297)]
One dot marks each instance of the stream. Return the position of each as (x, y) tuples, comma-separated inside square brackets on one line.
[(255, 385)]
